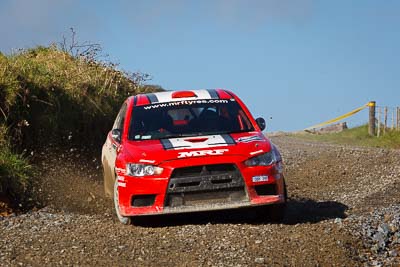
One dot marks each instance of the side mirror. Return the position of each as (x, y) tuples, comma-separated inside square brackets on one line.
[(116, 135), (261, 123)]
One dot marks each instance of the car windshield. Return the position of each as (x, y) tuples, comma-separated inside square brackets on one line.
[(187, 118)]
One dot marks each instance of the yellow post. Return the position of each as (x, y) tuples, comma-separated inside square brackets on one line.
[(371, 123)]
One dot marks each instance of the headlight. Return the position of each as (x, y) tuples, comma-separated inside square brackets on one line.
[(262, 160), (138, 170)]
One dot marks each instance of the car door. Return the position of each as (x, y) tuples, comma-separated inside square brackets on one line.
[(111, 149)]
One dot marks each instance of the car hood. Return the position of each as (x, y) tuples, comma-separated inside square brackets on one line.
[(155, 152)]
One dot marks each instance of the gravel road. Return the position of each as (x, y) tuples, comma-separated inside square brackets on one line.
[(343, 210)]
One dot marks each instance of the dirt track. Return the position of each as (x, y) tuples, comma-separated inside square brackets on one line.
[(336, 192)]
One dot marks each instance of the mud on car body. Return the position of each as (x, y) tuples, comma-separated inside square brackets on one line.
[(189, 151)]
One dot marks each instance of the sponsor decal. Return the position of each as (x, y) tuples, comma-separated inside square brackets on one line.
[(163, 97), (186, 102), (121, 184), (199, 153), (120, 170), (248, 139), (209, 141)]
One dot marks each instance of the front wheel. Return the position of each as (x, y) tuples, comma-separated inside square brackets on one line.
[(123, 219), (277, 212), (274, 213)]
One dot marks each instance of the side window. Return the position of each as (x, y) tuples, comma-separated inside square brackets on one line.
[(119, 121), (244, 122)]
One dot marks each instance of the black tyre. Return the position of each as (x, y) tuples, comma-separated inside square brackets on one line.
[(123, 219), (277, 212), (273, 213)]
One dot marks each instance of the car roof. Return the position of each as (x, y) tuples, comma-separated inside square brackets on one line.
[(171, 96)]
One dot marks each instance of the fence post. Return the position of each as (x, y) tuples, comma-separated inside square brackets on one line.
[(393, 125), (371, 123), (398, 118), (385, 120), (379, 122)]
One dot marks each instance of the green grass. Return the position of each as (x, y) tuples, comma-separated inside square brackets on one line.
[(359, 136), (15, 174)]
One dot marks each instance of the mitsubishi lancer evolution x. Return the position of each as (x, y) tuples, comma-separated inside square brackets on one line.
[(190, 151)]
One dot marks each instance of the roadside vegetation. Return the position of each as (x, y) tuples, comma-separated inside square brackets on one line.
[(358, 136), (60, 95), (15, 174)]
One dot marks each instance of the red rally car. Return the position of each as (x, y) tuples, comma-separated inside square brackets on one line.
[(189, 151)]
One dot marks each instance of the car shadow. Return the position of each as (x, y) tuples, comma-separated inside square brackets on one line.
[(298, 211), (304, 210)]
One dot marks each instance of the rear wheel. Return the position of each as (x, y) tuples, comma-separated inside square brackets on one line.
[(123, 219)]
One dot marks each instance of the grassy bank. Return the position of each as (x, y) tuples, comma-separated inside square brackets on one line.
[(48, 95), (15, 175), (359, 136), (53, 97)]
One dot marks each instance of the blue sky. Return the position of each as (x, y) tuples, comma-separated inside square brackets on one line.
[(300, 62)]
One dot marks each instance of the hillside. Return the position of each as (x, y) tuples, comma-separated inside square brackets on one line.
[(53, 97)]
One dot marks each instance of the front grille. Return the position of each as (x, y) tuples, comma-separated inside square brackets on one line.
[(204, 169), (205, 184), (265, 189)]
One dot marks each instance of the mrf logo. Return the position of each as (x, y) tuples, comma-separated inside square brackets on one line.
[(213, 152)]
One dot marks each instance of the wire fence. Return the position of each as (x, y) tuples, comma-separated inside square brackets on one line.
[(388, 119), (381, 120)]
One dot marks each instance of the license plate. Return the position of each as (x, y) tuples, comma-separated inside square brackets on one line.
[(260, 178)]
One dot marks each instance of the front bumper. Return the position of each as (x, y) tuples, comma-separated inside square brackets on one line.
[(162, 195)]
